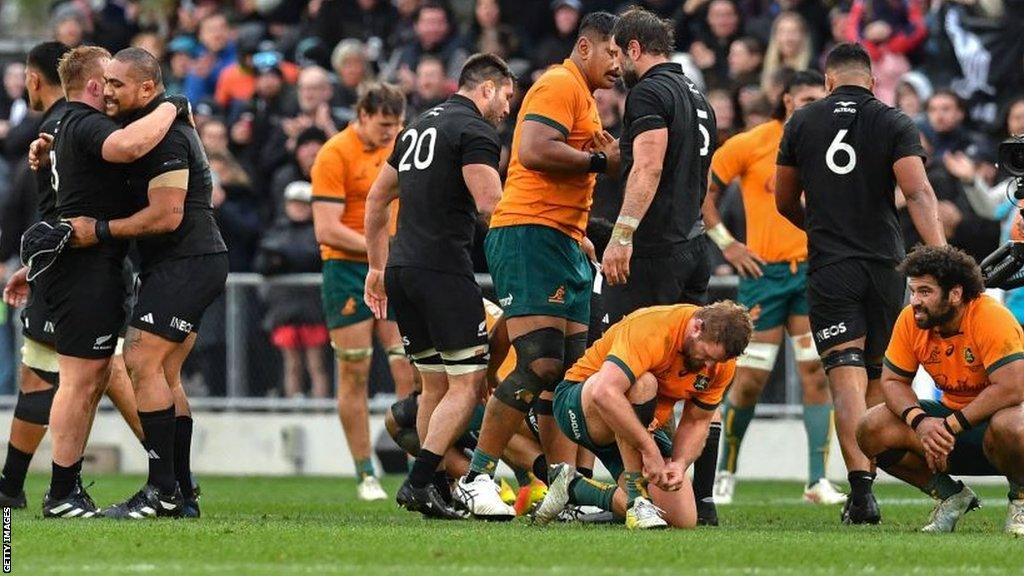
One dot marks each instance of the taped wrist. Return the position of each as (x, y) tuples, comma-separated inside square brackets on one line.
[(720, 235)]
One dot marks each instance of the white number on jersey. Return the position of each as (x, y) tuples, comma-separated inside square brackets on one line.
[(54, 177), (704, 133), (416, 142), (838, 145)]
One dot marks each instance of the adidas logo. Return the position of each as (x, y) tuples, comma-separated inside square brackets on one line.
[(47, 327), (148, 318), (605, 320), (152, 454)]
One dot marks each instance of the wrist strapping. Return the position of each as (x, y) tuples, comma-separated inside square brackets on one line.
[(102, 230), (720, 235)]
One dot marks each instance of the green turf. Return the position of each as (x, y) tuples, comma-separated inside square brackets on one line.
[(315, 526)]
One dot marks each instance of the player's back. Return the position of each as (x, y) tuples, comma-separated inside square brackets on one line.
[(46, 198), (85, 184), (844, 147), (437, 220)]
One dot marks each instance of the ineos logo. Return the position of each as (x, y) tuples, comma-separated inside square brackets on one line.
[(831, 331)]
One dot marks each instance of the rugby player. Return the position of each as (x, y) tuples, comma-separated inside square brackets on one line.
[(38, 377), (183, 268), (974, 350), (342, 175), (773, 284), (445, 169), (538, 253), (618, 400), (657, 253), (87, 292), (845, 154)]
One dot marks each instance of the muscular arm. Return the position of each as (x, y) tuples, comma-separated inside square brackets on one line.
[(691, 434), (544, 149), (610, 386), (712, 217), (897, 391), (642, 182), (136, 139), (921, 202), (787, 195), (484, 184), (330, 231), (383, 192), (1006, 389), (163, 214)]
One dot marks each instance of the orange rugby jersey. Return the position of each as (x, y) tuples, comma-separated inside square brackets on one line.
[(750, 156), (560, 99), (651, 340), (989, 338), (343, 172)]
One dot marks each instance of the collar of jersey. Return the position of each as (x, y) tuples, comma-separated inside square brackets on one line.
[(851, 89), (577, 74), (463, 101), (666, 66)]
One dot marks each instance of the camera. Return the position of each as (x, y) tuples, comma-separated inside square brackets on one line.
[(1011, 155)]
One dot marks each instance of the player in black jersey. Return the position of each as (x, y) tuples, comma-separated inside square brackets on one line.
[(183, 268), (847, 153), (38, 377), (87, 292), (444, 169), (657, 253)]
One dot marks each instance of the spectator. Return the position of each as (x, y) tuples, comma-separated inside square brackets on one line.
[(13, 104), (837, 18), (756, 111), (556, 47), (912, 92), (487, 27), (236, 210), (889, 30), (746, 55), (314, 102), (370, 21), (151, 42), (711, 48), (432, 87), (237, 83), (181, 52), (815, 16), (350, 64), (68, 26), (437, 35), (217, 52), (307, 145), (725, 113), (294, 317), (789, 47)]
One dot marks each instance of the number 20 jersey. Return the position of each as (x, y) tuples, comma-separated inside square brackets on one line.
[(844, 148), (437, 218)]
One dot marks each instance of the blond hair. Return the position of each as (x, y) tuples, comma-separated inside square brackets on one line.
[(773, 59), (78, 65)]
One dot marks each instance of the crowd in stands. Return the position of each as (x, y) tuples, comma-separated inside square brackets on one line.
[(271, 81)]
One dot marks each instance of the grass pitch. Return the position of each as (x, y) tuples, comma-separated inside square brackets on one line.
[(282, 526)]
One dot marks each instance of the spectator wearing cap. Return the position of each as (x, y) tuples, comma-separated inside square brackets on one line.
[(307, 144), (432, 86), (556, 46), (713, 37), (216, 52), (436, 35), (181, 51), (237, 83), (913, 90), (352, 68)]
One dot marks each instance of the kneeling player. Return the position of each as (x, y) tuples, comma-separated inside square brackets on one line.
[(617, 400), (974, 350)]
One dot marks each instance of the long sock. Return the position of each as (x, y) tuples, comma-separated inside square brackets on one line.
[(1016, 491), (735, 421), (941, 486), (635, 487), (63, 479), (424, 468), (183, 454), (540, 468), (522, 477), (15, 468), (364, 468), (484, 463), (704, 467), (587, 492), (440, 481), (818, 425), (158, 427), (860, 485)]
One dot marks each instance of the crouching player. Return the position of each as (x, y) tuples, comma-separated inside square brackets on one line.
[(974, 350), (618, 400)]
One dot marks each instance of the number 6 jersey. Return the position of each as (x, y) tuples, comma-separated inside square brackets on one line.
[(844, 148), (437, 218)]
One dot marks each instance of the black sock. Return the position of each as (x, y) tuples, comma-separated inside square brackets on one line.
[(441, 483), (183, 454), (15, 467), (158, 426), (423, 469), (860, 485), (586, 472), (540, 468), (63, 480), (704, 467)]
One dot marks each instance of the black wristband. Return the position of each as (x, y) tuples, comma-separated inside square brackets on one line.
[(598, 162), (965, 424), (949, 428), (903, 416), (102, 230), (917, 420)]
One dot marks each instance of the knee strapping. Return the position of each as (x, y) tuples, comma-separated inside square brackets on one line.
[(34, 407), (396, 352), (39, 357), (353, 354), (523, 385), (428, 361), (575, 347), (759, 356), (844, 357), (465, 361), (51, 378), (544, 407), (404, 411), (889, 458), (804, 349)]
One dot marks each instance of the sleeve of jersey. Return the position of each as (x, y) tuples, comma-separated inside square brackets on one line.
[(167, 164), (899, 356), (1000, 337), (635, 349), (328, 177), (727, 163), (552, 103), (712, 397), (93, 131), (645, 111), (787, 148), (480, 145), (908, 139)]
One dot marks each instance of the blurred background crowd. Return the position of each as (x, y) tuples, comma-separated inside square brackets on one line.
[(271, 80)]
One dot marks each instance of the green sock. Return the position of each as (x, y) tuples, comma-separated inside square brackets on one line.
[(522, 477), (587, 492), (818, 425), (941, 486), (364, 467), (635, 487), (734, 424), (1016, 491), (409, 461), (482, 463)]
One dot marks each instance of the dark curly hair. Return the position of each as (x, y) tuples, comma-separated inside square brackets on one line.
[(949, 266)]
